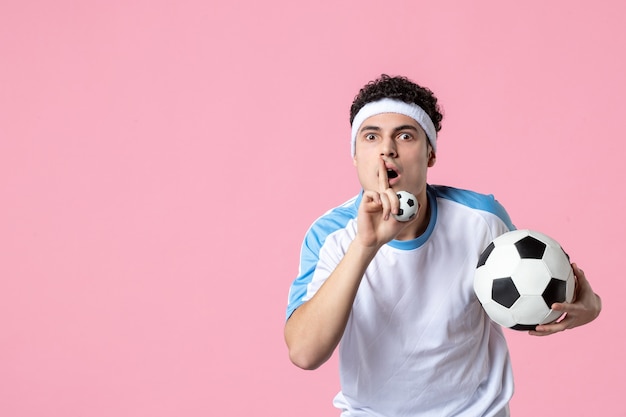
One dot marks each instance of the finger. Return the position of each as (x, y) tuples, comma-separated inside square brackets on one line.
[(581, 282), (383, 181), (371, 201), (566, 307), (579, 274), (577, 270), (394, 202), (371, 196), (384, 199), (542, 332), (548, 329)]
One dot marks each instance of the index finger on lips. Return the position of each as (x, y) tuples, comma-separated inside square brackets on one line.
[(383, 181)]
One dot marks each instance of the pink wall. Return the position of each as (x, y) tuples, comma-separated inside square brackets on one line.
[(160, 162)]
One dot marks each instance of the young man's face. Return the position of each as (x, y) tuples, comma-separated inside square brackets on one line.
[(401, 142)]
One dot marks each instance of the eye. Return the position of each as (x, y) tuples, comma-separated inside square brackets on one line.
[(370, 136), (405, 136)]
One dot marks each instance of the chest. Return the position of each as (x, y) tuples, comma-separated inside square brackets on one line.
[(416, 288)]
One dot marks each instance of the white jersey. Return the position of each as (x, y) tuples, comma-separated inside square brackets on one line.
[(417, 342)]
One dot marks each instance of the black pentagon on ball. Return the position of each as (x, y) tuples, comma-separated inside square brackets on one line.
[(410, 202), (504, 292), (554, 292), (530, 248), (400, 212), (485, 254), (524, 327)]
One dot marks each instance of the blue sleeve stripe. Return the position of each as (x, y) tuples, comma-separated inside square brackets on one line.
[(484, 202), (314, 239)]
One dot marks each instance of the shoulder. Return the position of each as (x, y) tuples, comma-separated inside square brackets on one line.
[(485, 203), (332, 221)]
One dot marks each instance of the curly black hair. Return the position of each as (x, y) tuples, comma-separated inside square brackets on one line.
[(399, 88)]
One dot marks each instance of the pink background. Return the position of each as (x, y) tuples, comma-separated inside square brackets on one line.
[(160, 162)]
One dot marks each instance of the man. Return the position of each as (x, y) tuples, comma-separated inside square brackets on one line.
[(399, 295)]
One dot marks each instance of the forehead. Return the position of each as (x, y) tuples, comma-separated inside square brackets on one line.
[(389, 121)]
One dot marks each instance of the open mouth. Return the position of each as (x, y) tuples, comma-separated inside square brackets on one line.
[(391, 174)]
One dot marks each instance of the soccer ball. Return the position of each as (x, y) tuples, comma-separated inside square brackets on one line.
[(520, 275), (408, 206)]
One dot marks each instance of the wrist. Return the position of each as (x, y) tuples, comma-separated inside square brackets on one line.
[(363, 250)]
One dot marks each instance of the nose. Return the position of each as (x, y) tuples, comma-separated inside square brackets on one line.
[(388, 147)]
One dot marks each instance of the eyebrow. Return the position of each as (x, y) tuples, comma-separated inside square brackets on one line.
[(406, 127), (395, 129), (368, 128)]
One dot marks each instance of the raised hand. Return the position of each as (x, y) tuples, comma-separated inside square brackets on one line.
[(376, 225)]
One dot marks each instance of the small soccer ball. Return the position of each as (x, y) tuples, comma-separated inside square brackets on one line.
[(408, 206), (520, 275)]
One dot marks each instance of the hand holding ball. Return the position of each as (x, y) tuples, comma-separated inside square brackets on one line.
[(408, 206)]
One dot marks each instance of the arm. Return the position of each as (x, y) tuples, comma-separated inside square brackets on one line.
[(585, 308), (314, 330)]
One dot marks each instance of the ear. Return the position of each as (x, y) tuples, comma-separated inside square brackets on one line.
[(354, 160), (432, 158)]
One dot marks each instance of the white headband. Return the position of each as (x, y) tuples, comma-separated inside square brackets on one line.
[(389, 105)]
